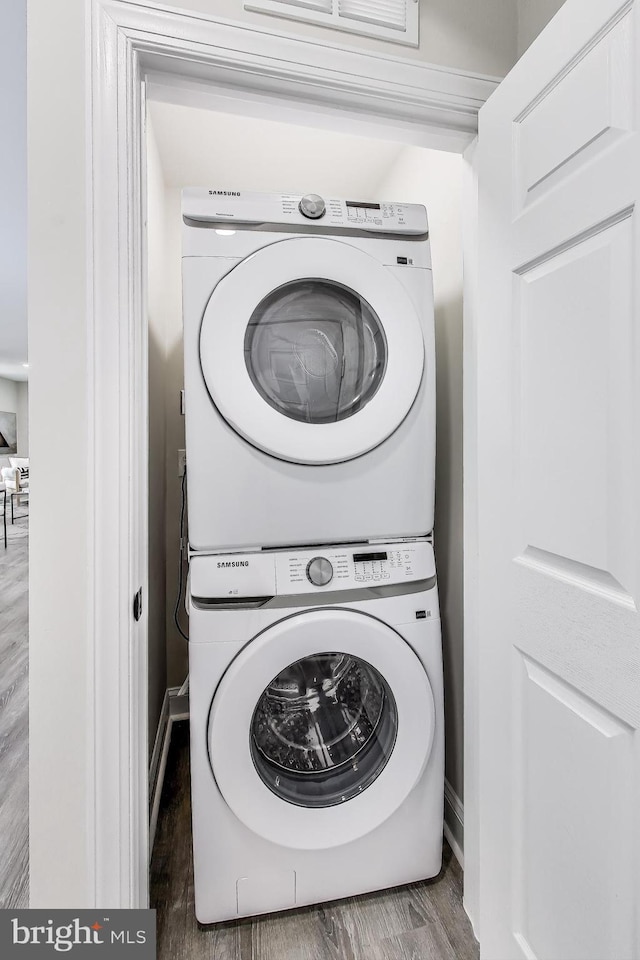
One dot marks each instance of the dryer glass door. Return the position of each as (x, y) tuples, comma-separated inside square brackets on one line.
[(315, 351), (312, 350), (320, 728)]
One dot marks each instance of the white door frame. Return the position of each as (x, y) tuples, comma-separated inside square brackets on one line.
[(127, 42)]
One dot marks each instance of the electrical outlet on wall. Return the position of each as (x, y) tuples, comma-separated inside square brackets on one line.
[(182, 462)]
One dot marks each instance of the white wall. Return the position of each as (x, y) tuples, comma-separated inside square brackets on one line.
[(435, 179), (533, 16), (472, 35), (9, 404), (13, 189), (174, 380), (157, 315), (167, 648), (8, 395), (22, 396), (14, 398), (60, 746)]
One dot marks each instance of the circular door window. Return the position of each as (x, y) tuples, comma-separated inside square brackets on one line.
[(320, 728), (315, 351), (312, 350), (323, 730)]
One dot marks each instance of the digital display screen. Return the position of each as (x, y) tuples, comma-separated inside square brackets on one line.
[(363, 557), (364, 206)]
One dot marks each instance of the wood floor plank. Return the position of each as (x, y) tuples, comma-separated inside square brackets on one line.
[(445, 900), (294, 935), (421, 921), (384, 923), (423, 943), (14, 728)]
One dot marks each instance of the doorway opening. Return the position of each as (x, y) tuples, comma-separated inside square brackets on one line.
[(201, 137), (141, 54)]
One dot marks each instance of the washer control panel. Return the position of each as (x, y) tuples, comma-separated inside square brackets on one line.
[(310, 570), (383, 565), (349, 568), (217, 206)]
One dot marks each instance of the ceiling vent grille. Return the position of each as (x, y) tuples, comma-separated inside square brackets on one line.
[(385, 13), (395, 20), (323, 6)]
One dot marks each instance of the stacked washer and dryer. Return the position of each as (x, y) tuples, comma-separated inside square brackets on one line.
[(315, 655)]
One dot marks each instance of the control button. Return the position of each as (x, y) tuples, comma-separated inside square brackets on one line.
[(377, 576), (386, 576), (312, 206), (359, 576), (320, 571)]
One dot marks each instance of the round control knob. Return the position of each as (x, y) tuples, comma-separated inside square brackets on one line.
[(319, 571), (312, 206)]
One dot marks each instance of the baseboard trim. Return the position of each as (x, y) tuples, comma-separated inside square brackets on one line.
[(454, 822), (157, 746), (174, 707)]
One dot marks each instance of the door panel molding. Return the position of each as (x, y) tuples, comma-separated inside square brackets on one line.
[(573, 404), (575, 240), (602, 720), (558, 473), (579, 575), (593, 90), (590, 759), (566, 69)]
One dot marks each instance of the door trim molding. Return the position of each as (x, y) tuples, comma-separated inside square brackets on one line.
[(129, 41), (471, 536), (263, 61)]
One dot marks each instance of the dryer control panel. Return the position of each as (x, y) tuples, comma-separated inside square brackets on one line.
[(311, 210), (311, 570)]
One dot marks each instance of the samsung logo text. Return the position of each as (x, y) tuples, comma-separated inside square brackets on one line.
[(224, 193), (234, 563)]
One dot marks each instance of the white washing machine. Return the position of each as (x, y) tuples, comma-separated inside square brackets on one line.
[(317, 741), (309, 370)]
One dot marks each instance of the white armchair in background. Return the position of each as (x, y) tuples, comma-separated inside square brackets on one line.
[(15, 478)]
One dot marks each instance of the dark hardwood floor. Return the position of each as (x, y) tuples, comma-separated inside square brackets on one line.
[(421, 921), (14, 689)]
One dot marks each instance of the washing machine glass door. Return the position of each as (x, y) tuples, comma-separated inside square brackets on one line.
[(312, 350), (323, 729), (320, 728)]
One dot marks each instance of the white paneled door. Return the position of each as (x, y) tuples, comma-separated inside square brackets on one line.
[(559, 494)]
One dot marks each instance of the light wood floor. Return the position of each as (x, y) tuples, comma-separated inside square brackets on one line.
[(421, 921), (14, 688)]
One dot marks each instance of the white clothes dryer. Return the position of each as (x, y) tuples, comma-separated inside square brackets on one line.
[(317, 729), (309, 370)]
